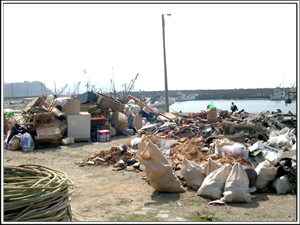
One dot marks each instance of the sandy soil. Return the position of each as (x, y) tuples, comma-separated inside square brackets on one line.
[(101, 194)]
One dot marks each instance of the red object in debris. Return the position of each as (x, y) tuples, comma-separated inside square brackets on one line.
[(103, 135)]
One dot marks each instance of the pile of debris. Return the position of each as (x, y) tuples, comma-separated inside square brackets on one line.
[(254, 141), (51, 121), (208, 139)]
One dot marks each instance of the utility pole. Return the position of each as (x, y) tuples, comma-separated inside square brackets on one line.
[(165, 63)]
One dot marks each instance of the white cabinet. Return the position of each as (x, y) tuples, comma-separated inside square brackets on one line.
[(79, 126)]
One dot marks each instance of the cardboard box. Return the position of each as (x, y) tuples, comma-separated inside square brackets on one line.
[(106, 103), (261, 146), (72, 107), (137, 122), (119, 122), (212, 115)]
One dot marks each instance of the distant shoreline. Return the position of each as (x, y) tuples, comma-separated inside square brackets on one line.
[(215, 94)]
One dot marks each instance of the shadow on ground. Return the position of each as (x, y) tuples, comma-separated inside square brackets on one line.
[(162, 198)]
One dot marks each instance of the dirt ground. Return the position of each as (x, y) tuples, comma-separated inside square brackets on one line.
[(101, 194)]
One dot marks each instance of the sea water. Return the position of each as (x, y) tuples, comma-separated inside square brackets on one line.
[(251, 106)]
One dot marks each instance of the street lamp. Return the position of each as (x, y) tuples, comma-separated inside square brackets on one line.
[(165, 63)]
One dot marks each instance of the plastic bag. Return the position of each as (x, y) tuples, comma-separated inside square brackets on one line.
[(265, 174), (61, 102), (9, 114), (15, 142), (211, 105), (236, 150), (27, 143), (213, 185), (134, 142), (128, 131), (135, 108), (237, 185), (280, 141), (162, 119), (227, 148), (67, 141), (6, 140), (16, 129), (281, 138), (193, 174), (210, 166), (158, 170), (289, 133), (282, 185), (219, 144)]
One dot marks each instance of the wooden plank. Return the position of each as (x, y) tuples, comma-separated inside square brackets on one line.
[(30, 104), (168, 115), (42, 118)]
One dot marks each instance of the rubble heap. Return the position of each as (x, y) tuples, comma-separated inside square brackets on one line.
[(248, 139)]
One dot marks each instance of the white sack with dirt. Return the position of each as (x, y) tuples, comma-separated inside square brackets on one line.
[(193, 174), (265, 174), (237, 185), (213, 185), (210, 166), (158, 170)]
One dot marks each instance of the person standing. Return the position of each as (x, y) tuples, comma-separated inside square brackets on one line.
[(233, 107)]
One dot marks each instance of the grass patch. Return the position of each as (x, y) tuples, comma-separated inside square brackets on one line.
[(203, 216)]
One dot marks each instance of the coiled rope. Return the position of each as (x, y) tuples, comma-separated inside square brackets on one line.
[(36, 193)]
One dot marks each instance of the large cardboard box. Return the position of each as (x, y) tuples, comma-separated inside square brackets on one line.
[(107, 102), (72, 107), (119, 122)]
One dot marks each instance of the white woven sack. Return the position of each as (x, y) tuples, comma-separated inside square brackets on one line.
[(158, 170), (265, 174), (210, 166), (193, 174), (213, 184), (237, 185)]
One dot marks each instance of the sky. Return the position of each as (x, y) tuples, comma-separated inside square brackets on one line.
[(208, 46)]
